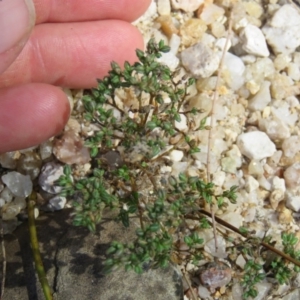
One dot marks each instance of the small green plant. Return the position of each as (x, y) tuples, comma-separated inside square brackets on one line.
[(141, 134), (140, 130)]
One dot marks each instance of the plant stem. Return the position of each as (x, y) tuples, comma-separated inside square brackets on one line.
[(35, 248), (233, 228)]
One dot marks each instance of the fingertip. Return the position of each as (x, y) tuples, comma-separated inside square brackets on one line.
[(31, 114)]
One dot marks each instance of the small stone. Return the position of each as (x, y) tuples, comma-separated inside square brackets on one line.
[(262, 98), (30, 164), (292, 175), (192, 31), (256, 145), (215, 275), (8, 160), (210, 247), (293, 71), (187, 5), (251, 184), (49, 174), (167, 25), (21, 202), (253, 41), (57, 203), (211, 13), (6, 195), (240, 261), (276, 197), (169, 59), (164, 7), (10, 211), (46, 150), (255, 168), (70, 149), (20, 185), (182, 124), (263, 288), (275, 128), (291, 146), (200, 60), (293, 200), (233, 218), (176, 155), (234, 69), (283, 31)]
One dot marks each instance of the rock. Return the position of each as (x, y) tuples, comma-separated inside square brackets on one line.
[(293, 200), (10, 211), (292, 175), (73, 259), (8, 160), (170, 60), (176, 155), (215, 275), (274, 128), (294, 295), (200, 60), (30, 164), (251, 184), (262, 98), (220, 252), (46, 149), (291, 146), (283, 30), (192, 31), (211, 13), (187, 5), (20, 185), (262, 288), (6, 195), (256, 145), (167, 25), (49, 174), (234, 69), (253, 41), (164, 7), (57, 203), (70, 149)]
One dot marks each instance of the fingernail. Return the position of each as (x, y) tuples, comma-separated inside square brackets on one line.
[(17, 17)]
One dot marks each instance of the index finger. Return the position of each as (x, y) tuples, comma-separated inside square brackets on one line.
[(88, 10)]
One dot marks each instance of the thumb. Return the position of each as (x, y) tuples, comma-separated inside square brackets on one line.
[(17, 18)]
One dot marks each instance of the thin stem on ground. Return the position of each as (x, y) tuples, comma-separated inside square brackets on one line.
[(35, 248)]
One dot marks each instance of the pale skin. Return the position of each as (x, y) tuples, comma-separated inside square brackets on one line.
[(71, 44)]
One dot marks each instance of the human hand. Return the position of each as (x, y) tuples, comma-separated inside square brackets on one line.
[(55, 43)]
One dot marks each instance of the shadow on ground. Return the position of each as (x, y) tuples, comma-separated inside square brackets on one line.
[(73, 259)]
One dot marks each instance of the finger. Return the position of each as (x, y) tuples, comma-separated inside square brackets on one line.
[(89, 10), (14, 34), (73, 54), (31, 114)]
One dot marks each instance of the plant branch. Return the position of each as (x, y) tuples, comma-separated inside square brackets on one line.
[(35, 248)]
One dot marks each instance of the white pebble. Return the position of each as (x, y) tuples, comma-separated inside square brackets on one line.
[(187, 5), (253, 41), (20, 185), (176, 155), (283, 31), (234, 71), (220, 252), (292, 175), (57, 203), (251, 184), (200, 60), (164, 7), (49, 174), (291, 146), (256, 145), (262, 98)]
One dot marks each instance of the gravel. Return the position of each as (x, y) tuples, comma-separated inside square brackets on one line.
[(256, 128)]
